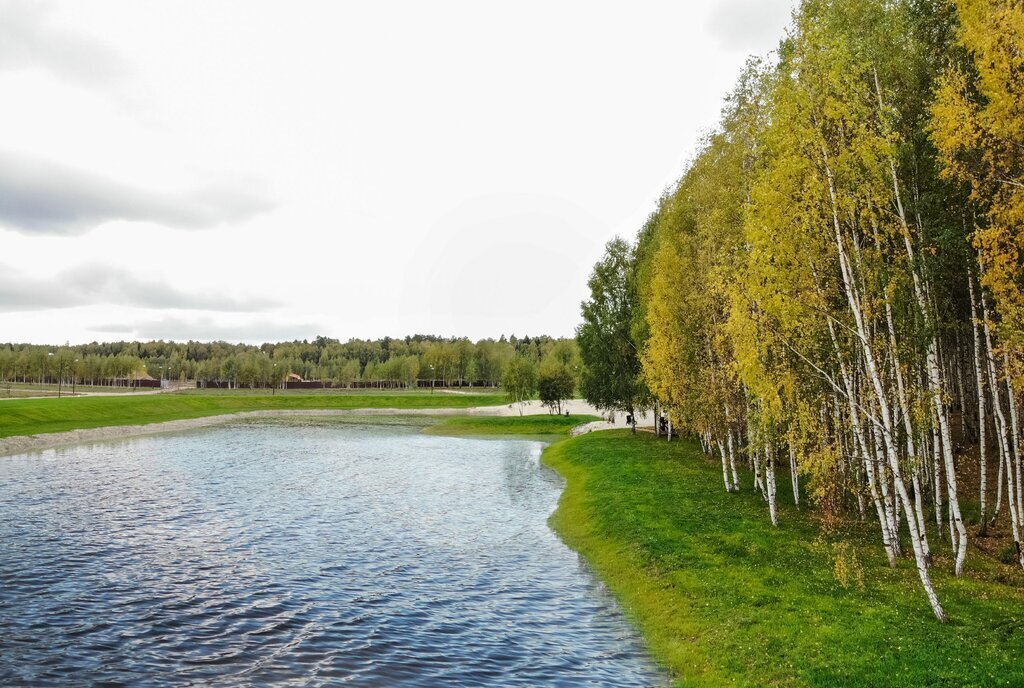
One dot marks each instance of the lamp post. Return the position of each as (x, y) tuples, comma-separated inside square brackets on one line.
[(431, 379), (74, 377), (273, 389)]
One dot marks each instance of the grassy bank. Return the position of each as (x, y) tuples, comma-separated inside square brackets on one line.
[(36, 416), (543, 425), (725, 599), (31, 389), (342, 391)]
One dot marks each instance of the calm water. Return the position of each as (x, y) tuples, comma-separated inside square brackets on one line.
[(300, 554)]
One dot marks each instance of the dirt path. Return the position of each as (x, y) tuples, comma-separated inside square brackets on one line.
[(643, 420)]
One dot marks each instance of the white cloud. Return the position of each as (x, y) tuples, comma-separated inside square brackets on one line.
[(92, 284), (751, 27), (41, 196), (451, 167), (29, 39), (206, 328)]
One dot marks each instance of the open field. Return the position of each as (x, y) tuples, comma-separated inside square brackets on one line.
[(36, 416), (724, 598)]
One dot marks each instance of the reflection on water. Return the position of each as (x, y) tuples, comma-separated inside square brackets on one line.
[(309, 554)]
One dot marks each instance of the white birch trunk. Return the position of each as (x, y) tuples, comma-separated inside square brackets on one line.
[(725, 470), (979, 382), (732, 464), (931, 361), (937, 478), (883, 402), (904, 404), (773, 509), (1006, 457), (1011, 399), (795, 478), (861, 444), (919, 512), (755, 460)]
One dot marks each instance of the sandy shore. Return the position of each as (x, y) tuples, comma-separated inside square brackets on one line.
[(27, 443)]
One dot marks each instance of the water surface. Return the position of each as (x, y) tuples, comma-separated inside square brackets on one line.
[(307, 554)]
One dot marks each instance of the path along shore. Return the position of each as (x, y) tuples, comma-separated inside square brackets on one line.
[(20, 444)]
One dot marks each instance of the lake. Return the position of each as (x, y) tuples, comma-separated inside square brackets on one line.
[(306, 553)]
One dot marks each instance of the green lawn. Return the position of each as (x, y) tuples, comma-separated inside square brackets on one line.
[(543, 425), (341, 391), (32, 389), (725, 599), (35, 416)]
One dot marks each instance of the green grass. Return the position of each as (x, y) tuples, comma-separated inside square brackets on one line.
[(31, 389), (725, 599), (36, 416), (341, 391), (543, 425)]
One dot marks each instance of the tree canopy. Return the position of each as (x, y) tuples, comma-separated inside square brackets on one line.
[(835, 283)]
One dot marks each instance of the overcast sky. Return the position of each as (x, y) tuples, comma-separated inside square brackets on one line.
[(255, 171)]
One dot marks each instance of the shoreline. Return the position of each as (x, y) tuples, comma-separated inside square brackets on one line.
[(23, 444)]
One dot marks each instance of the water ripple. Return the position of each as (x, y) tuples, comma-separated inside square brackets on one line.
[(308, 554)]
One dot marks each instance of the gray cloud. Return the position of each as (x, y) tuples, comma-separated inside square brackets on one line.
[(87, 285), (207, 329), (749, 26), (42, 197), (29, 40)]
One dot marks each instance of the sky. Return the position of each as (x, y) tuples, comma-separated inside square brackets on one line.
[(267, 171)]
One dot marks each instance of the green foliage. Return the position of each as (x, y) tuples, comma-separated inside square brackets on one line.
[(556, 382), (384, 363), (804, 288), (519, 380), (611, 376)]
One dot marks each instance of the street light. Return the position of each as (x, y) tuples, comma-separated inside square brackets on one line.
[(74, 377), (273, 388), (431, 379)]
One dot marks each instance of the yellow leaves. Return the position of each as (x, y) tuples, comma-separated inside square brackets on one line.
[(846, 566), (977, 126), (954, 127)]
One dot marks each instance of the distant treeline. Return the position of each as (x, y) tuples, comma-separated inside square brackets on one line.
[(357, 362)]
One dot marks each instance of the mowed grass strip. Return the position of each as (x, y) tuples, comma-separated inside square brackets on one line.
[(38, 416), (723, 598), (539, 425)]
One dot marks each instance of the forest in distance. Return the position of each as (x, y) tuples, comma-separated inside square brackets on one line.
[(834, 288), (385, 362)]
